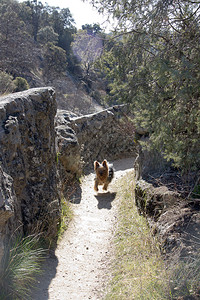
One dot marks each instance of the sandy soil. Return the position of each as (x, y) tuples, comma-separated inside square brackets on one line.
[(77, 270)]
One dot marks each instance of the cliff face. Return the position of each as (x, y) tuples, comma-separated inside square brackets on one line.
[(28, 196)]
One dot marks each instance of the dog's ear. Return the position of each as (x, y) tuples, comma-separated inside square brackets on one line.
[(105, 164), (96, 164)]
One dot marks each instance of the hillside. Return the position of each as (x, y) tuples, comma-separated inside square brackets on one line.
[(42, 47), (71, 93)]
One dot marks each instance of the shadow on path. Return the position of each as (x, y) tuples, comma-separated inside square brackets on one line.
[(40, 291), (105, 199)]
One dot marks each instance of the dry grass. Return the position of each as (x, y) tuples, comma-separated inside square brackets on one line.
[(138, 271), (66, 217), (20, 266), (185, 278)]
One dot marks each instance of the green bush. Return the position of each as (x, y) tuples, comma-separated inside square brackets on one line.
[(155, 68), (20, 84), (196, 191)]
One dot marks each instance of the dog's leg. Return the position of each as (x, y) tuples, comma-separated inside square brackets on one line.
[(105, 186), (96, 186)]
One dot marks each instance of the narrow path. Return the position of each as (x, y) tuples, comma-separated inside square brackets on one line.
[(76, 272)]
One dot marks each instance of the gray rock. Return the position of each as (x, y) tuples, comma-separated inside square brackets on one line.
[(29, 196), (101, 135), (153, 201)]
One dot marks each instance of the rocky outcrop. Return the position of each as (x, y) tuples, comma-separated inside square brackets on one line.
[(174, 220), (29, 196), (39, 159), (7, 201), (153, 201), (102, 135), (68, 157), (82, 140), (96, 136)]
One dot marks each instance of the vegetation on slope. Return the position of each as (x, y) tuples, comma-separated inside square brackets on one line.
[(36, 44), (23, 257), (66, 217), (34, 36)]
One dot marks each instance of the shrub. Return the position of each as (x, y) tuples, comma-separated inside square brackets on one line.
[(20, 84)]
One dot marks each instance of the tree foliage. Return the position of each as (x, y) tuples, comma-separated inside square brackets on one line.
[(153, 62), (54, 61), (47, 35), (92, 29), (21, 84), (26, 31), (15, 53)]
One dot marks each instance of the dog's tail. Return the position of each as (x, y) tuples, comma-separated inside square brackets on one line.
[(110, 173)]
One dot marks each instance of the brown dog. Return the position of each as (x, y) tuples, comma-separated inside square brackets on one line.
[(104, 174)]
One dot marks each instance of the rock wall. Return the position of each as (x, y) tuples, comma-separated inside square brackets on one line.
[(97, 136), (154, 201), (28, 196), (103, 135), (82, 140)]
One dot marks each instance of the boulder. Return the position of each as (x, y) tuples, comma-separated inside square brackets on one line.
[(153, 201)]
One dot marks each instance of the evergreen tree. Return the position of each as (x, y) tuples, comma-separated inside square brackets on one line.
[(47, 34), (92, 29), (154, 64), (54, 62), (28, 31)]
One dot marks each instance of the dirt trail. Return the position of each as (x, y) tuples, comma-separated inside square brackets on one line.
[(76, 272)]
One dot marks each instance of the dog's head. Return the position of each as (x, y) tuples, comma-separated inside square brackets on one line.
[(101, 169)]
